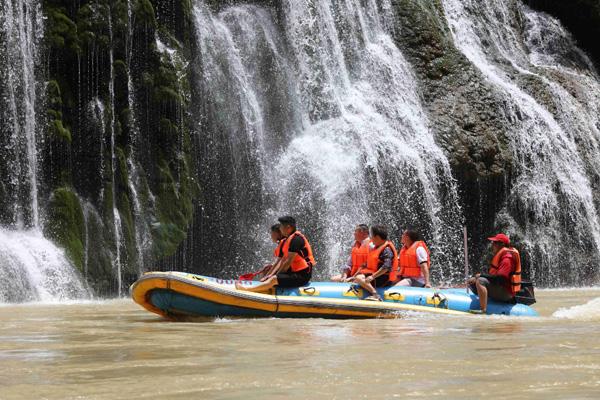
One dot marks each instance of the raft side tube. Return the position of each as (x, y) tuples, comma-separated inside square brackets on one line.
[(198, 295)]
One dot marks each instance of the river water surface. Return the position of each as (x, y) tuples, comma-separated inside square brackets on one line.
[(116, 350)]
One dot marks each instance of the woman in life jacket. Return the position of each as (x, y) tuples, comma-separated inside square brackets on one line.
[(358, 256), (503, 279), (382, 262), (297, 261), (415, 261)]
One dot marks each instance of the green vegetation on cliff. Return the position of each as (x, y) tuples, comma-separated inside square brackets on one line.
[(66, 224), (134, 109)]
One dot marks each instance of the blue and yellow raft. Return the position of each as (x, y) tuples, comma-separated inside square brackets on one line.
[(179, 296)]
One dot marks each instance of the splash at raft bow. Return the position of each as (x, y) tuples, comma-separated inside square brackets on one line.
[(179, 296)]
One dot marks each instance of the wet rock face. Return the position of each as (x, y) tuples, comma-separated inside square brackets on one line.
[(117, 144), (581, 18), (465, 113)]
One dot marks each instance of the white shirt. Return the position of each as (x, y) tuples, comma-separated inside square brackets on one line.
[(421, 255)]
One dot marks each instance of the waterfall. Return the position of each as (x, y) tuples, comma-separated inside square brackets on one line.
[(319, 115), (552, 96), (113, 160), (21, 26), (31, 267)]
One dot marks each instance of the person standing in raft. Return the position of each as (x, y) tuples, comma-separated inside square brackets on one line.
[(295, 267), (358, 257), (503, 279), (382, 263), (414, 260)]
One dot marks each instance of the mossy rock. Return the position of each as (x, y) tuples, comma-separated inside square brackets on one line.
[(122, 173), (53, 95), (174, 210), (59, 131), (128, 231), (61, 31), (65, 224), (144, 11)]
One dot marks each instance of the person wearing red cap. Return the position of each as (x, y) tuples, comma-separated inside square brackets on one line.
[(504, 276)]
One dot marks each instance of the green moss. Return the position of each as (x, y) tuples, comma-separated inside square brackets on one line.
[(59, 131), (128, 230), (53, 95), (61, 31), (122, 173), (144, 11), (78, 38), (174, 210), (65, 224)]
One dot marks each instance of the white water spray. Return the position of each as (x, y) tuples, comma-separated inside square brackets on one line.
[(358, 148)]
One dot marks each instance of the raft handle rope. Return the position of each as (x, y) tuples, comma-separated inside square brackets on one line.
[(355, 289), (309, 290), (397, 294), (442, 299)]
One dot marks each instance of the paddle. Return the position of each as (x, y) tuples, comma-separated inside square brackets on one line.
[(249, 276)]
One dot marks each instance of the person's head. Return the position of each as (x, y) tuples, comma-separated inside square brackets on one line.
[(379, 234), (288, 225), (409, 236), (361, 232), (499, 242), (276, 233)]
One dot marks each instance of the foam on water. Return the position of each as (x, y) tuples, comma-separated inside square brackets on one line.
[(584, 312), (33, 269)]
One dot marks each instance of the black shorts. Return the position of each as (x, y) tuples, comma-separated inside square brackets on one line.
[(414, 282), (294, 279), (496, 291), (381, 280)]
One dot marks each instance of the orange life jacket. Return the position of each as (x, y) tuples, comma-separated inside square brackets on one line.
[(360, 254), (409, 265), (277, 250), (299, 263), (515, 276), (373, 260)]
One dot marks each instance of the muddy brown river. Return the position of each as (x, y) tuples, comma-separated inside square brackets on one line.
[(116, 350)]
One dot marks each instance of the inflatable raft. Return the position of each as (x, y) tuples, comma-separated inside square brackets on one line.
[(179, 296)]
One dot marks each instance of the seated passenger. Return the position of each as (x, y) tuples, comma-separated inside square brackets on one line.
[(295, 267), (503, 279), (414, 261), (278, 238), (358, 257), (382, 263)]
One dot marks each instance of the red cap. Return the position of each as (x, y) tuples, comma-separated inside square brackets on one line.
[(501, 237)]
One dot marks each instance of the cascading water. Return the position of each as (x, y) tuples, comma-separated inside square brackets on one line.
[(31, 267), (113, 160), (551, 97), (21, 25), (321, 118)]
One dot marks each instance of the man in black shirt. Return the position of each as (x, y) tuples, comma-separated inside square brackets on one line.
[(295, 268)]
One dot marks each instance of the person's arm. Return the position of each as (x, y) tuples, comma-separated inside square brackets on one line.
[(268, 270), (505, 268), (284, 265), (422, 258), (386, 258), (347, 268), (296, 246)]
